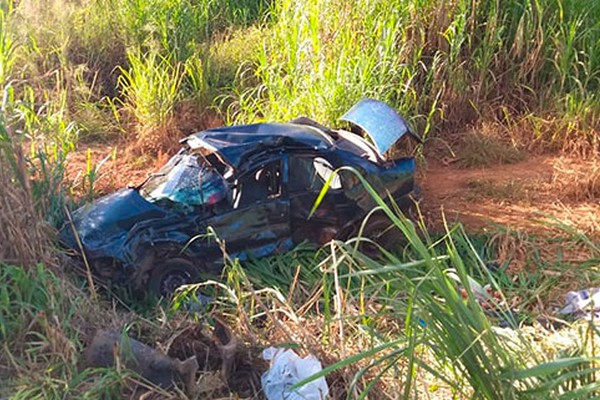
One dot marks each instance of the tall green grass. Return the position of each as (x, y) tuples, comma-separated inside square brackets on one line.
[(116, 57), (42, 331), (441, 64), (151, 88), (320, 57), (7, 50), (533, 67)]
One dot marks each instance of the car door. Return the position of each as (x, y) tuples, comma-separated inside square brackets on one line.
[(307, 177), (258, 223)]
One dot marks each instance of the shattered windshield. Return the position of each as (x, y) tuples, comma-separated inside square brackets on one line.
[(186, 179)]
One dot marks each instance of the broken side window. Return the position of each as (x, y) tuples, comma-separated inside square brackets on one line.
[(307, 173), (262, 184), (325, 172)]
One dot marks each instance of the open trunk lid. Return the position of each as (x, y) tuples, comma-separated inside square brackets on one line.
[(380, 122)]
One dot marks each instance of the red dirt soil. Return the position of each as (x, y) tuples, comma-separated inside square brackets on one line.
[(116, 167), (518, 196)]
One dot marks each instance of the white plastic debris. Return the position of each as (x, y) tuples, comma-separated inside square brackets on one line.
[(582, 303), (287, 369)]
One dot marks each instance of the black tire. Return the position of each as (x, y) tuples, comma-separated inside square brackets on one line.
[(382, 231), (168, 275)]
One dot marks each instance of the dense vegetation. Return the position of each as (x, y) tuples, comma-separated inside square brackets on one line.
[(149, 71), (108, 65)]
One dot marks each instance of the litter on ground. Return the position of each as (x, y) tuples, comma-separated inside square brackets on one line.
[(287, 369)]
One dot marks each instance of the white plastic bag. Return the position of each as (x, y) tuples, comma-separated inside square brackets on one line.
[(583, 304), (287, 369)]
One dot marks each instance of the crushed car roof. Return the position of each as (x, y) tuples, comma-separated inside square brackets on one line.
[(234, 142)]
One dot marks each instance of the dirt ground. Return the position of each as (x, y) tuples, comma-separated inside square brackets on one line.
[(114, 166), (521, 196)]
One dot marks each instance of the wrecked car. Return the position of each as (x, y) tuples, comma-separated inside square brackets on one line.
[(254, 186)]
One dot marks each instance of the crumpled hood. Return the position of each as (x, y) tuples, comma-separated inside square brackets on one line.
[(103, 225)]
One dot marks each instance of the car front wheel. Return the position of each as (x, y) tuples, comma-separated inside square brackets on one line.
[(168, 275), (379, 231)]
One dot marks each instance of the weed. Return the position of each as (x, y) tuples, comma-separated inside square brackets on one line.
[(511, 190), (23, 236), (151, 88), (582, 183), (481, 150), (8, 50), (230, 56), (442, 66)]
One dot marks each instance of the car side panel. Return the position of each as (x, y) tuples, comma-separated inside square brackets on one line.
[(178, 234), (258, 230)]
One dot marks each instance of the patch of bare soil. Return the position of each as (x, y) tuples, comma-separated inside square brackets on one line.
[(109, 168), (518, 196), (106, 167)]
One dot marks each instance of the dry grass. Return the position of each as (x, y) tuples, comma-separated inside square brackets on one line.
[(24, 236), (543, 268), (579, 182), (485, 147), (311, 332), (513, 190), (165, 138)]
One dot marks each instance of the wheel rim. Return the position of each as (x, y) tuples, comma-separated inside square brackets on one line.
[(172, 280)]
